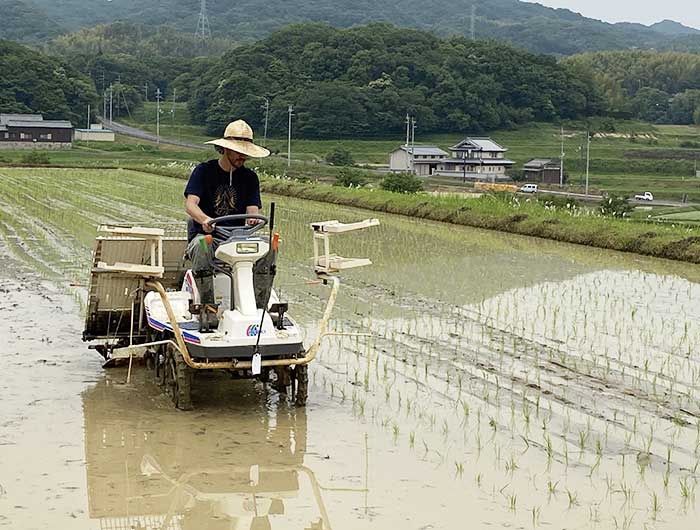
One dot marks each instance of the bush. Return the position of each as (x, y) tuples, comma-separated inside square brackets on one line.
[(402, 183), (35, 157), (340, 157), (689, 144), (560, 202), (615, 206), (348, 178)]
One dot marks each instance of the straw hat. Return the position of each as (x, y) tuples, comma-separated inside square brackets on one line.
[(238, 137)]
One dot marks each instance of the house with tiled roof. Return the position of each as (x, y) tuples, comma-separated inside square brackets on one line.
[(30, 131)]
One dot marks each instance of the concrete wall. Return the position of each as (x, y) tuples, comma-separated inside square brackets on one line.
[(95, 136), (50, 146)]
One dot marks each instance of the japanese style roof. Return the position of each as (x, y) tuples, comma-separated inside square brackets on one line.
[(539, 163), (44, 124), (480, 144), (4, 118), (424, 150)]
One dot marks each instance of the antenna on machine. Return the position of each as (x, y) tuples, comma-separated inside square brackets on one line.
[(203, 32)]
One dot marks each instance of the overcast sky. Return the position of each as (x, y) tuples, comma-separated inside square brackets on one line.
[(645, 11)]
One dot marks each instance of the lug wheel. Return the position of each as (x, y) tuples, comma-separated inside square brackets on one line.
[(301, 377), (177, 378)]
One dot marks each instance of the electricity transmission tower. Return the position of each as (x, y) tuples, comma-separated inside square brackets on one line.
[(203, 32), (472, 25)]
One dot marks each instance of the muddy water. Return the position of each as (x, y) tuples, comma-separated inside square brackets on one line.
[(508, 382)]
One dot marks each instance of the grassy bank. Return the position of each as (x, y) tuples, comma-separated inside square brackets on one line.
[(525, 217), (627, 157)]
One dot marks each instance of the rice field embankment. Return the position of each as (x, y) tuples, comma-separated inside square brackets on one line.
[(525, 217)]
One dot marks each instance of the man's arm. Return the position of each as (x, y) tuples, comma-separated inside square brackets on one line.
[(195, 212)]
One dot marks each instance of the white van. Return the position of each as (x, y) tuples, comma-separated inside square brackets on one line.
[(529, 188)]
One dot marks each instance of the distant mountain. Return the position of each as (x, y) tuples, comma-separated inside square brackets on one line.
[(673, 28), (23, 22), (529, 25)]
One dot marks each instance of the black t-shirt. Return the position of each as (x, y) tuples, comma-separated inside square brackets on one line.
[(221, 193)]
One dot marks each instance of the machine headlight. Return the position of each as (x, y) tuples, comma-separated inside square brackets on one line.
[(246, 248)]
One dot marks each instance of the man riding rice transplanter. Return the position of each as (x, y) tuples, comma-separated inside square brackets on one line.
[(216, 188)]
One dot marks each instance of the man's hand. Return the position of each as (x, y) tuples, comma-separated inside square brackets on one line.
[(208, 228), (253, 222)]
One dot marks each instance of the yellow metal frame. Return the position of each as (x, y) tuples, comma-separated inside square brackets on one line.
[(309, 354)]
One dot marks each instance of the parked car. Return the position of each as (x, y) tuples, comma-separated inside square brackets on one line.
[(529, 188), (646, 196)]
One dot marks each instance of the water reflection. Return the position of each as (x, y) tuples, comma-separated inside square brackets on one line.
[(223, 467)]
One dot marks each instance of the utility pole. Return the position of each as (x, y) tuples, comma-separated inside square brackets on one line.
[(588, 157), (289, 137), (158, 98), (561, 159), (146, 87), (408, 138), (266, 106), (104, 104), (88, 117), (408, 128), (110, 103), (172, 110), (413, 144)]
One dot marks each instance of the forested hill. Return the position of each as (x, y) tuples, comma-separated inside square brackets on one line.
[(23, 22), (33, 82), (363, 81), (529, 25), (651, 86)]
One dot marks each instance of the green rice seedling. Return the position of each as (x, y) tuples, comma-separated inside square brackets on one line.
[(573, 498), (459, 468), (512, 501), (655, 506), (549, 448), (687, 489), (582, 439), (552, 487), (511, 465), (627, 492), (412, 439), (535, 515)]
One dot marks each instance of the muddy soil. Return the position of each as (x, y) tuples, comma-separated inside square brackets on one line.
[(79, 448), (509, 382)]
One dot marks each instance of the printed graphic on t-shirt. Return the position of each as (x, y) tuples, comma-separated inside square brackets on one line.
[(225, 200)]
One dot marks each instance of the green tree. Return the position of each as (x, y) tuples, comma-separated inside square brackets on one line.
[(402, 183), (340, 156)]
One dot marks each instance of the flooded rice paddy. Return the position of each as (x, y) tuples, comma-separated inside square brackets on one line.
[(508, 382)]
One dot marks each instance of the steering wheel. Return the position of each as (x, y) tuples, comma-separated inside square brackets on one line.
[(227, 232)]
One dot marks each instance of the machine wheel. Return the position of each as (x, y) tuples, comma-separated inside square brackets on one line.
[(301, 376), (178, 378)]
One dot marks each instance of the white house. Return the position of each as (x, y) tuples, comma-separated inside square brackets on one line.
[(477, 158), (422, 160)]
